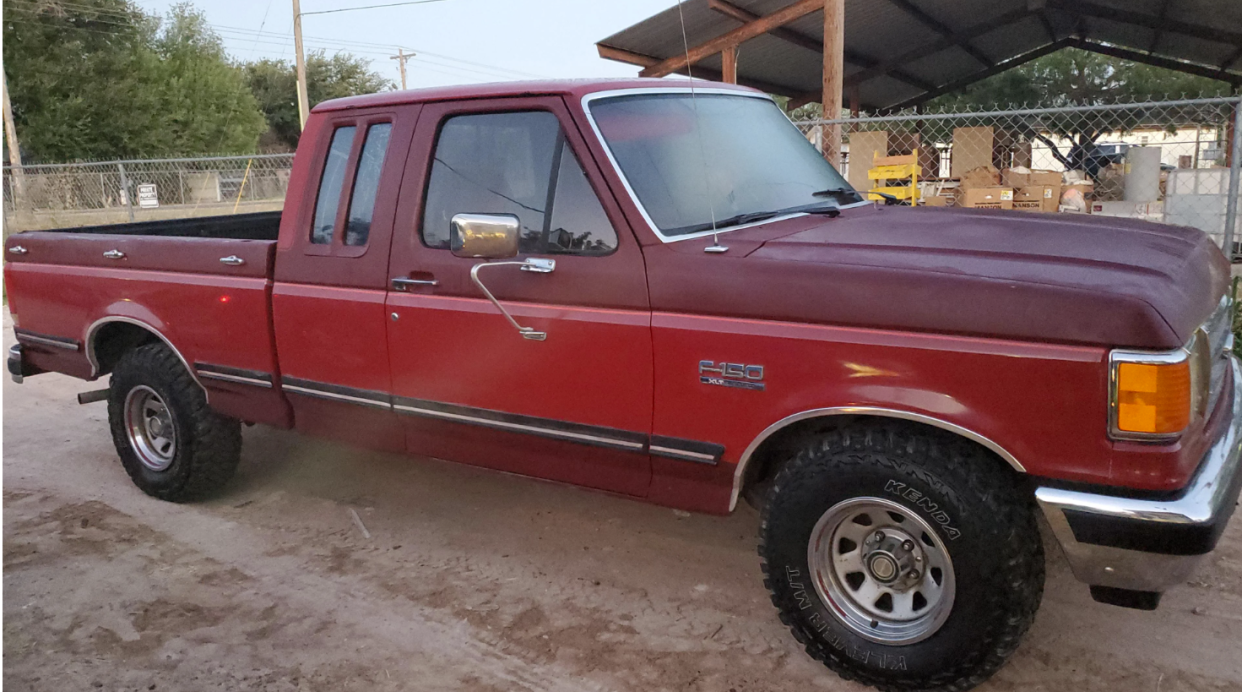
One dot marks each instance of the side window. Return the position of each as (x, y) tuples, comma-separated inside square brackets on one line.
[(329, 196), (366, 183), (515, 163)]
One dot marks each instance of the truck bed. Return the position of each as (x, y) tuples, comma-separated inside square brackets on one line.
[(258, 226), (202, 285), (197, 245)]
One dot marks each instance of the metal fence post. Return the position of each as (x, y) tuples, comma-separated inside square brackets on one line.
[(1235, 174), (129, 203)]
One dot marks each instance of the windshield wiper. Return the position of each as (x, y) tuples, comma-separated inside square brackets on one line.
[(826, 208), (837, 191), (736, 220)]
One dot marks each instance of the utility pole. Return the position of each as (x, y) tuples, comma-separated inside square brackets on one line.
[(15, 152), (401, 57), (303, 105)]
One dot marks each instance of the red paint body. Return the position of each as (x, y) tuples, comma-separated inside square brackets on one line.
[(871, 310)]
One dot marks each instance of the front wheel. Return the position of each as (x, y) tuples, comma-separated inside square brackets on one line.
[(172, 445), (902, 557)]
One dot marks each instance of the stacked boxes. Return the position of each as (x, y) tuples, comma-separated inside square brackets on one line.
[(987, 198), (1034, 190), (981, 188)]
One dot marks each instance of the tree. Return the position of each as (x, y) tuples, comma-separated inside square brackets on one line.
[(1068, 77), (274, 84), (1073, 77), (209, 106), (101, 79)]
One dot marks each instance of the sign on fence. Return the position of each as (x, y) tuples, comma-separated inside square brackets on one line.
[(147, 197)]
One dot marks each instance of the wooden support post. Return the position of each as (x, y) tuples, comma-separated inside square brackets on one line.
[(743, 33), (728, 64), (834, 79), (855, 107)]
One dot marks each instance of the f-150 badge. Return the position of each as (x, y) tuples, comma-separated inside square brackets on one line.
[(734, 375)]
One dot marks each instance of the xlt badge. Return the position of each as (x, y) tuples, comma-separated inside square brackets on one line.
[(734, 375)]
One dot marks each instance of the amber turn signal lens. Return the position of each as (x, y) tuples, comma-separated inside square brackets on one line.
[(1153, 399)]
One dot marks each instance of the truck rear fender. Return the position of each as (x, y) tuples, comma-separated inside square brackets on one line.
[(758, 460), (108, 338)]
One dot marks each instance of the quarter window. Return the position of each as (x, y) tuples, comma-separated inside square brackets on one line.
[(330, 185), (366, 182), (515, 163)]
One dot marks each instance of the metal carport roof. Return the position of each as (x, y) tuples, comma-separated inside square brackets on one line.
[(899, 53)]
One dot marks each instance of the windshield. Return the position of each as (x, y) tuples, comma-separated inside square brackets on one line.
[(739, 160)]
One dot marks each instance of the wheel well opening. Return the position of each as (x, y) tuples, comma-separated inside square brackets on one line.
[(114, 339), (784, 443)]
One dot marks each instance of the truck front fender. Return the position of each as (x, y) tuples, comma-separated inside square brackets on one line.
[(739, 474)]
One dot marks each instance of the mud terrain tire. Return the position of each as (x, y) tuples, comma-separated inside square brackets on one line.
[(982, 521), (193, 450)]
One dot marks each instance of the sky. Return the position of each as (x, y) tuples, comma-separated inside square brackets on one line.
[(455, 41)]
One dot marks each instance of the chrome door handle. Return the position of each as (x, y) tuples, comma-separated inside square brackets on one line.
[(18, 250), (402, 284), (232, 260), (539, 265), (114, 254)]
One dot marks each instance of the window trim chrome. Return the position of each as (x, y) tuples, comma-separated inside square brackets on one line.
[(616, 167), (1118, 356)]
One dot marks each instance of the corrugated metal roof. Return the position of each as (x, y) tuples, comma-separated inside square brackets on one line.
[(900, 52)]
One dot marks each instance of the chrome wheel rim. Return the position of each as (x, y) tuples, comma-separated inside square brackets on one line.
[(881, 570), (149, 426)]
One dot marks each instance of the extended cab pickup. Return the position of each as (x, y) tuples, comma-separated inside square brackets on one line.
[(663, 291)]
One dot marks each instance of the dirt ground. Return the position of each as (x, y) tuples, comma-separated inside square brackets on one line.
[(471, 580)]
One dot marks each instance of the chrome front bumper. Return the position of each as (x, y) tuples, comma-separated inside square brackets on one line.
[(1118, 543)]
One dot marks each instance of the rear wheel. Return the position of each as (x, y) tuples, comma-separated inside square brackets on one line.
[(900, 556), (172, 445)]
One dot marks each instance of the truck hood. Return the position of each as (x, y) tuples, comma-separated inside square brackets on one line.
[(1062, 278)]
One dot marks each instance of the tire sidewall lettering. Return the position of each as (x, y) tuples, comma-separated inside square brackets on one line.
[(820, 623), (917, 499)]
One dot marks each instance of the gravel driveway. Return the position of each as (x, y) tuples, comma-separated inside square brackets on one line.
[(470, 580)]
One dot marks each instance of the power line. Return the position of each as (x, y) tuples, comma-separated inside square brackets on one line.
[(372, 7), (276, 39)]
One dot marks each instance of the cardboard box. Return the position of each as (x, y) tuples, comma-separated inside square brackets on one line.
[(1016, 178), (1150, 211), (983, 176), (1037, 198), (937, 201), (987, 198), (972, 148), (864, 146)]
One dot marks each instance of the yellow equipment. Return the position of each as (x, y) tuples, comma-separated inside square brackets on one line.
[(886, 168)]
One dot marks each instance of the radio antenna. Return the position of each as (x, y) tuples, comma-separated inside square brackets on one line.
[(715, 247)]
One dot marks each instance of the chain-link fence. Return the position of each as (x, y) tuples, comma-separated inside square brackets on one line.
[(84, 194), (1166, 161), (1169, 161)]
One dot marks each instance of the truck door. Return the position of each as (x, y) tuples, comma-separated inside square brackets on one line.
[(332, 273), (575, 407)]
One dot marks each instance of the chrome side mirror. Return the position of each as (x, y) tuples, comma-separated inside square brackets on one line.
[(489, 237), (484, 236)]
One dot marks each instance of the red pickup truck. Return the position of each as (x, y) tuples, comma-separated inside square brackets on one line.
[(662, 291)]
